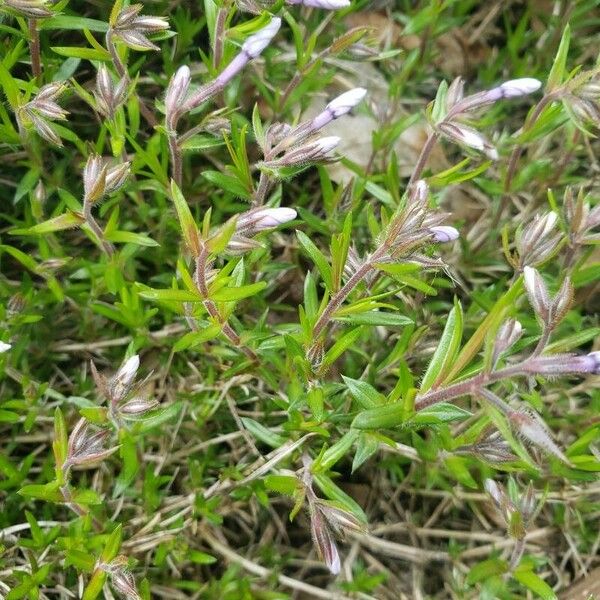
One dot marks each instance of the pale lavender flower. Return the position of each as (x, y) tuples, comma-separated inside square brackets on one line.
[(325, 4), (339, 106), (444, 233), (251, 48)]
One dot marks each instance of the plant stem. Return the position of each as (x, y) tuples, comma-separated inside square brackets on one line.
[(212, 309), (219, 41), (106, 246), (423, 157), (473, 385), (518, 150), (337, 299), (34, 48), (176, 159)]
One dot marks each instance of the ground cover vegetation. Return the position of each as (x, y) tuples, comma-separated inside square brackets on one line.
[(299, 299)]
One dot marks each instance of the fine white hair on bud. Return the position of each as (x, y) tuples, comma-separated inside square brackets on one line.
[(537, 292), (258, 41), (444, 233), (177, 90), (4, 347), (345, 102), (520, 87), (264, 218), (325, 4)]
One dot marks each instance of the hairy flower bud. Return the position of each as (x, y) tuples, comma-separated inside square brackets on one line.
[(444, 233), (99, 179), (537, 293), (316, 150), (565, 364), (85, 447), (251, 48), (258, 219), (323, 539), (131, 27), (538, 240), (520, 87), (42, 109), (34, 9), (339, 106), (508, 334), (177, 93), (120, 384), (463, 134), (108, 95), (562, 302), (529, 425), (326, 4)]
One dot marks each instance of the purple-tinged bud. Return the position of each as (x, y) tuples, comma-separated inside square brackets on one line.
[(34, 9), (562, 302), (323, 539), (339, 106), (239, 244), (529, 425), (177, 91), (537, 293), (468, 136), (251, 48), (564, 364), (256, 220), (258, 41), (121, 383), (116, 177), (490, 447), (316, 150), (444, 233), (4, 347), (527, 503), (509, 333), (137, 406), (340, 519), (520, 87), (455, 93), (326, 4), (85, 448)]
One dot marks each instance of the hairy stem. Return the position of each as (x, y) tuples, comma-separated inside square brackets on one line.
[(213, 310), (472, 385), (518, 150), (106, 246), (424, 157), (176, 158), (34, 48)]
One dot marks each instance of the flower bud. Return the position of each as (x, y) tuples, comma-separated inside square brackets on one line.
[(326, 4), (120, 384), (137, 406), (177, 92), (520, 87), (562, 302), (339, 106), (537, 293), (537, 241), (309, 152), (323, 539), (565, 364), (509, 333), (529, 425), (444, 233), (34, 9), (468, 136), (256, 220), (455, 93), (85, 448), (258, 41), (131, 28), (341, 520)]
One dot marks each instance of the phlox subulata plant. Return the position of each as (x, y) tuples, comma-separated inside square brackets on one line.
[(290, 300)]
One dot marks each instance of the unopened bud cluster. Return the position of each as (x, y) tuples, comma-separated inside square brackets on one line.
[(33, 9), (100, 179), (517, 515), (537, 241), (109, 96), (550, 312), (253, 222), (86, 447), (132, 28), (326, 520), (581, 219), (125, 397), (42, 109), (457, 108)]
